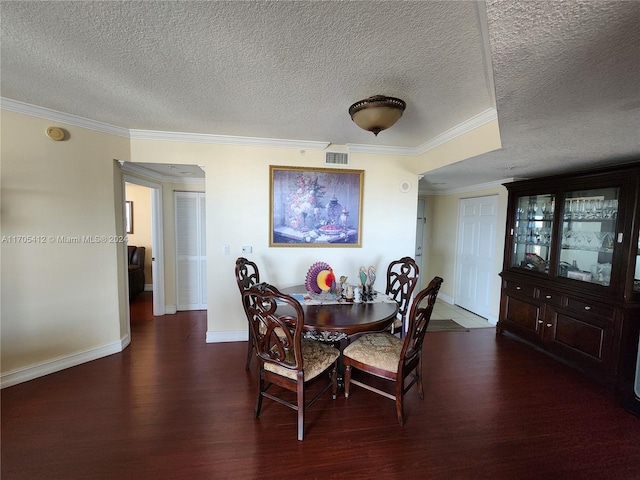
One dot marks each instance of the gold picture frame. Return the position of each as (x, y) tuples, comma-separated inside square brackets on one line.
[(315, 207)]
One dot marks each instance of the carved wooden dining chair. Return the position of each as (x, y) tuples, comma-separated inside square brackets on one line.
[(402, 278), (386, 356), (286, 360), (247, 275)]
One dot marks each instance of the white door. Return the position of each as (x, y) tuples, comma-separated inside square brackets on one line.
[(191, 278), (476, 251)]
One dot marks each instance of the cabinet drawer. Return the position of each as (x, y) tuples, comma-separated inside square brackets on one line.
[(521, 289), (522, 313), (585, 339), (551, 297), (589, 308)]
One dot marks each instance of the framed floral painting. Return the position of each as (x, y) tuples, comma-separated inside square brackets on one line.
[(315, 207)]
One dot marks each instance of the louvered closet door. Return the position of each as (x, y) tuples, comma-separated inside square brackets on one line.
[(190, 251)]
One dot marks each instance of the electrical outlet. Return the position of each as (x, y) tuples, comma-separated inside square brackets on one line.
[(226, 249), (247, 249)]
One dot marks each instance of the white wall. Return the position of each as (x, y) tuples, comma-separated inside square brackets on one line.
[(59, 299), (237, 186), (65, 303)]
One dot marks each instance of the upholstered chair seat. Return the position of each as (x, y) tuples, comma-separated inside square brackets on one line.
[(316, 357), (379, 350)]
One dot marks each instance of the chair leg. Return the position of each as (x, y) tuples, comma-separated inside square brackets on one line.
[(347, 380), (400, 410), (334, 380), (400, 400), (400, 405), (256, 412), (300, 406), (418, 373), (249, 352)]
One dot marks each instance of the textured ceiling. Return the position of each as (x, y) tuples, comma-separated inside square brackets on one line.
[(566, 74), (567, 77)]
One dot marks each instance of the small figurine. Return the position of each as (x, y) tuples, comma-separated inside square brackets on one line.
[(348, 293), (363, 276), (372, 275), (357, 296)]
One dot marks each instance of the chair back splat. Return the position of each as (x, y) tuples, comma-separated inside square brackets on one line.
[(402, 278), (247, 275), (286, 360), (388, 357)]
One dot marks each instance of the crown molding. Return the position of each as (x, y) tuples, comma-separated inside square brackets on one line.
[(381, 149), (138, 169), (67, 118), (226, 140), (482, 118), (469, 188), (42, 112)]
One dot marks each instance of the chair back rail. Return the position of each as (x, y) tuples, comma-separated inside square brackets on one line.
[(419, 318), (275, 335), (402, 279), (247, 275)]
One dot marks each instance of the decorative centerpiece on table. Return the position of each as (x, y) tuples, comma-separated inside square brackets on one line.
[(367, 279), (320, 278)]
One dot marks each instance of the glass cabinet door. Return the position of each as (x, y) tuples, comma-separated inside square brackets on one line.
[(533, 232), (589, 235)]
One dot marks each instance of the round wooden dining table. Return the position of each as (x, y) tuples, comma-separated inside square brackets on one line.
[(345, 318)]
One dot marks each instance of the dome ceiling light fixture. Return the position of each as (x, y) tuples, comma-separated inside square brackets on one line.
[(377, 113)]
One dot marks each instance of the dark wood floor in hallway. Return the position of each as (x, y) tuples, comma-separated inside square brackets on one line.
[(174, 407)]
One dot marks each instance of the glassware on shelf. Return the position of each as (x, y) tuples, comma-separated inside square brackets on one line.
[(587, 237), (533, 232)]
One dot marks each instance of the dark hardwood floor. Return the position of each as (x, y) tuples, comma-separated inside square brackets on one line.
[(174, 407)]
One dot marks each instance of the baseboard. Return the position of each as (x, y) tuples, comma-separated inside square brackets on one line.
[(148, 287), (446, 298), (221, 337), (170, 309), (45, 368)]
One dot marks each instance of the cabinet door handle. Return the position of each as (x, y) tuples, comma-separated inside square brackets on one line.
[(540, 321), (549, 325), (518, 288), (548, 297), (587, 308)]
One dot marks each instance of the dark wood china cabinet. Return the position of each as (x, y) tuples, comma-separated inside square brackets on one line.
[(571, 273)]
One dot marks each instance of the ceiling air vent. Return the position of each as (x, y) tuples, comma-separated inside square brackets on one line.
[(336, 158)]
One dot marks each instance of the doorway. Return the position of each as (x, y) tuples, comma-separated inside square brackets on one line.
[(477, 226), (157, 243)]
